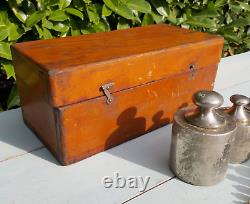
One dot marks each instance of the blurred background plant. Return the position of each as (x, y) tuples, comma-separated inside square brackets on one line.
[(23, 20)]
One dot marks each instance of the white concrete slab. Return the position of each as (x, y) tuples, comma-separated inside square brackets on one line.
[(37, 178), (232, 71), (15, 138), (243, 88), (235, 189)]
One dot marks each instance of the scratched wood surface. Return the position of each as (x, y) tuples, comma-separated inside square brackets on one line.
[(35, 177)]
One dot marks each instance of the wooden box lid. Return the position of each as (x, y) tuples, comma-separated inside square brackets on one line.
[(76, 67)]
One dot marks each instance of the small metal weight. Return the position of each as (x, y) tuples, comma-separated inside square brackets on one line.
[(201, 140), (241, 146), (248, 107)]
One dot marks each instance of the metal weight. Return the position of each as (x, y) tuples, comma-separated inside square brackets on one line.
[(201, 140), (248, 107), (207, 116), (241, 146)]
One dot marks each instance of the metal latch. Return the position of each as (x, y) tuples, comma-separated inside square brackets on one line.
[(192, 68), (105, 88)]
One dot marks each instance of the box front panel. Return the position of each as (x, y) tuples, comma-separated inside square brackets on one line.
[(93, 126)]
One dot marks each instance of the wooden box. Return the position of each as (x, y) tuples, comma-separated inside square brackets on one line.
[(85, 94)]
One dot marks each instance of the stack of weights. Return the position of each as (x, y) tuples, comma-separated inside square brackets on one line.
[(207, 138)]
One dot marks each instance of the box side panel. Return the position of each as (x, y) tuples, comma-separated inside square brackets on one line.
[(33, 90), (93, 126), (85, 82)]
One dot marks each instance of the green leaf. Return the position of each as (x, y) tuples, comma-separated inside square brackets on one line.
[(139, 5), (87, 1), (74, 29), (231, 36), (123, 24), (244, 5), (9, 69), (234, 6), (58, 16), (4, 20), (119, 8), (40, 31), (160, 7), (47, 24), (46, 4), (87, 30), (15, 32), (64, 3), (93, 15), (4, 32), (13, 99), (220, 3), (93, 28), (247, 42), (147, 19), (61, 27), (228, 19), (17, 12), (35, 18), (201, 22), (106, 11), (74, 12), (102, 26), (28, 7), (172, 16), (241, 22), (5, 50), (63, 34), (78, 4), (157, 18), (19, 1), (47, 34), (206, 13)]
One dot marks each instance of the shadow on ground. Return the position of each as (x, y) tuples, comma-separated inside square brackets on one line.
[(150, 150)]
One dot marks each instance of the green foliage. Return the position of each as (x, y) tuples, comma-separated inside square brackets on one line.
[(23, 20)]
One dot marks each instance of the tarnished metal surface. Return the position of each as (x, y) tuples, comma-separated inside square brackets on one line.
[(248, 107), (207, 117), (105, 88), (200, 155), (241, 147)]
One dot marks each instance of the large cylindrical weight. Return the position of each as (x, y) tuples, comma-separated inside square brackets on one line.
[(201, 141), (241, 146)]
